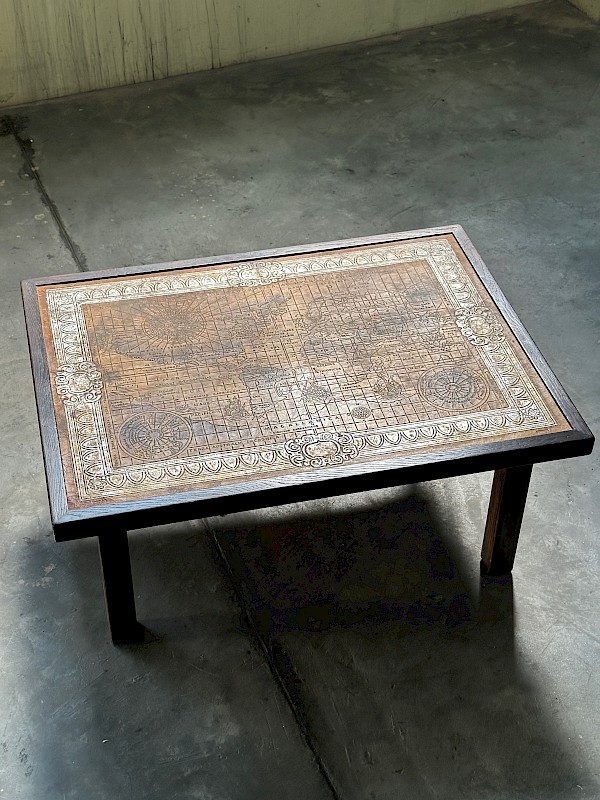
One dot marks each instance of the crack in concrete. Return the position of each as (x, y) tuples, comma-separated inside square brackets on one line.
[(15, 126), (277, 659)]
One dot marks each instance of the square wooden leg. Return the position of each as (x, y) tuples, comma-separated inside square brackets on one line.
[(505, 514), (118, 588)]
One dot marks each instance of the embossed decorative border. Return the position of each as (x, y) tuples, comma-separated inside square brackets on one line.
[(78, 383)]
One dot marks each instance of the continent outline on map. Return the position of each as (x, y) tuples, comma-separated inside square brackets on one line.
[(451, 303)]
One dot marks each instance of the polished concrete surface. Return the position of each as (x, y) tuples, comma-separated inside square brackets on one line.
[(345, 648)]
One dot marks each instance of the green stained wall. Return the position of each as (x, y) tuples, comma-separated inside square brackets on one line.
[(590, 7), (50, 48)]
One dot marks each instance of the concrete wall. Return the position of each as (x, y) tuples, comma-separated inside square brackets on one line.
[(590, 7), (50, 48)]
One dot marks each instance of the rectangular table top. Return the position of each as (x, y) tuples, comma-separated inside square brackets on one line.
[(172, 383)]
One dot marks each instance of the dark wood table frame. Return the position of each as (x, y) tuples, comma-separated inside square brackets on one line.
[(511, 460)]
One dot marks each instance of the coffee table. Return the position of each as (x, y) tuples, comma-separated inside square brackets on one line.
[(188, 389)]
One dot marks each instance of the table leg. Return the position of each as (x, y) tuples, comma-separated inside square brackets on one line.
[(507, 504), (118, 588)]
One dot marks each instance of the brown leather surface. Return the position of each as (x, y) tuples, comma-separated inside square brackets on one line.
[(171, 381)]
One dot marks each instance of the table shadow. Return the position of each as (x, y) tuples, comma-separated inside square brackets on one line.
[(398, 659), (194, 713), (402, 671)]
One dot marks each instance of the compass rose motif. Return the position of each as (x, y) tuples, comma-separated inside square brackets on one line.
[(454, 388), (155, 435)]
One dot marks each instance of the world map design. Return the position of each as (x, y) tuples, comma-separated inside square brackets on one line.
[(174, 380)]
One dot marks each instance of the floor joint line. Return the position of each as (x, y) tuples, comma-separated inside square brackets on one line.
[(10, 126), (263, 646)]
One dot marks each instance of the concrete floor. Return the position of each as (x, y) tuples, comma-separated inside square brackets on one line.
[(342, 649)]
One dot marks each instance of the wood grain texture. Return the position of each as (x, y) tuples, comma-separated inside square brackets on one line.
[(505, 514), (118, 588), (53, 464), (202, 377), (398, 335)]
